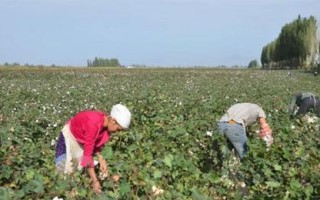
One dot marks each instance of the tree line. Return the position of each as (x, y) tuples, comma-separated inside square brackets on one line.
[(103, 62), (297, 46)]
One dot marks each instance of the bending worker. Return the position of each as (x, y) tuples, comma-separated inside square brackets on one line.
[(306, 101), (233, 125)]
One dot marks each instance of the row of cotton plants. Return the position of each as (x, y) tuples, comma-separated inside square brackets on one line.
[(172, 150)]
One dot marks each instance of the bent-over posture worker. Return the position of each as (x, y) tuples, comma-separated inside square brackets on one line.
[(306, 101), (233, 125)]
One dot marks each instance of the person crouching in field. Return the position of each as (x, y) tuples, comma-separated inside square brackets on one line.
[(84, 136), (306, 101), (233, 125)]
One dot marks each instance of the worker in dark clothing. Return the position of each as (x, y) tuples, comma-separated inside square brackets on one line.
[(306, 101)]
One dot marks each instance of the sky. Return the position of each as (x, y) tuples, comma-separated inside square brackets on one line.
[(169, 33)]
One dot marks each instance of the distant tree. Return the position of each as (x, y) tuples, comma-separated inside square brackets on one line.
[(296, 46), (253, 64), (114, 62), (103, 62), (89, 63)]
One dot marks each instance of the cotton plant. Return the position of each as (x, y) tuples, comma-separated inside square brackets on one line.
[(208, 133), (311, 119)]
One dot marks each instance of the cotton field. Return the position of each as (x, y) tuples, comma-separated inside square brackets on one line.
[(172, 150)]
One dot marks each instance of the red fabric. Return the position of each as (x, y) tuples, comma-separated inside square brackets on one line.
[(87, 128)]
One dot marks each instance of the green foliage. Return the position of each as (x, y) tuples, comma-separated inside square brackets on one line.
[(296, 46), (166, 154), (103, 62), (253, 64)]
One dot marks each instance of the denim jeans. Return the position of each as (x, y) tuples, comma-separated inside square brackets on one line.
[(236, 134)]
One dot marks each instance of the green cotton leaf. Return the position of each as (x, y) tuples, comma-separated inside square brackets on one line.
[(168, 160), (6, 172), (292, 171), (180, 187), (19, 194), (308, 190), (273, 184), (132, 147), (277, 167), (300, 151), (124, 188), (30, 174), (36, 186), (61, 186), (295, 185), (107, 152), (5, 193), (196, 195), (157, 174), (82, 192)]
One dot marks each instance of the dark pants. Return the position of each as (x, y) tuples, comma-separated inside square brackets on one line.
[(308, 104)]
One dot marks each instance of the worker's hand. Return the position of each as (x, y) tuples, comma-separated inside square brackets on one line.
[(265, 130), (104, 167), (266, 134), (116, 177), (96, 187)]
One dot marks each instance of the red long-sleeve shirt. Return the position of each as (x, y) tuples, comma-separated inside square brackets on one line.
[(87, 128)]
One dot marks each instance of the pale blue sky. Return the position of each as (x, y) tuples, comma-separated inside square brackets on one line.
[(149, 32)]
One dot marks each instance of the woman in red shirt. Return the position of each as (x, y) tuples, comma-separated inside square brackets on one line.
[(84, 136)]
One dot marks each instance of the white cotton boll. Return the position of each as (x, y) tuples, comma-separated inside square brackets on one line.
[(57, 198), (293, 127), (103, 176), (235, 158), (53, 142), (156, 190), (268, 139), (27, 139), (311, 120), (208, 133), (242, 184)]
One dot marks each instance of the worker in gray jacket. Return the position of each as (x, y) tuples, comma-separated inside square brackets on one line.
[(306, 101), (233, 125)]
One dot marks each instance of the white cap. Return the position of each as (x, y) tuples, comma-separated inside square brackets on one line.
[(122, 115)]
